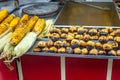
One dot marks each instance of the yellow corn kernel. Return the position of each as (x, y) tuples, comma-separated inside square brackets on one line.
[(3, 27), (14, 23), (39, 26), (9, 18), (17, 36), (31, 23), (3, 14), (23, 21), (24, 18)]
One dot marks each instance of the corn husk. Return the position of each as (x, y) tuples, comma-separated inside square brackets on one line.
[(4, 40), (5, 33), (49, 24), (25, 44)]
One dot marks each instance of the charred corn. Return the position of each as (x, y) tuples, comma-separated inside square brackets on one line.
[(17, 36), (31, 23), (20, 32), (14, 23), (3, 27), (3, 14), (24, 18), (39, 26), (9, 18), (23, 21)]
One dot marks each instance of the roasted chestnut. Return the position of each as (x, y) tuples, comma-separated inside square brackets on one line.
[(99, 46), (37, 49), (53, 49), (55, 37), (53, 30), (74, 43), (65, 30), (45, 49), (82, 44), (93, 32), (58, 44), (69, 50), (118, 52), (90, 45), (81, 30), (110, 37), (69, 38), (107, 46), (79, 37), (66, 44), (117, 32), (87, 37), (103, 39), (64, 35), (73, 29), (117, 39), (77, 51), (115, 46), (112, 33), (94, 37), (93, 52), (103, 32), (102, 52), (110, 29), (61, 50), (112, 52), (42, 44), (84, 51), (50, 43)]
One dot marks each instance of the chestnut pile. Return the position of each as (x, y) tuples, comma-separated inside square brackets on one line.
[(81, 40)]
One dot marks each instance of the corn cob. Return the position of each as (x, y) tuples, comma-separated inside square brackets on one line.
[(3, 27), (14, 23), (20, 32), (3, 14), (31, 23), (4, 40), (46, 29), (17, 35), (23, 21), (25, 44), (9, 18), (39, 26), (24, 18)]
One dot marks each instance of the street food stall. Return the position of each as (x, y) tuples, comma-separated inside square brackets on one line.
[(61, 40)]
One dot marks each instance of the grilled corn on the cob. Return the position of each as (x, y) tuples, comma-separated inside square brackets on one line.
[(24, 18), (9, 18), (14, 23), (17, 35), (39, 26), (23, 21), (20, 32), (3, 27), (31, 23), (3, 14)]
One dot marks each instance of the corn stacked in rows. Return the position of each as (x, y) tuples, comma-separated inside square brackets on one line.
[(21, 31), (3, 14)]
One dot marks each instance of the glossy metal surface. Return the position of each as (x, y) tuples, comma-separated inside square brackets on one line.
[(89, 14)]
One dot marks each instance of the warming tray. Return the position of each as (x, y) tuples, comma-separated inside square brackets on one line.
[(30, 52), (89, 13)]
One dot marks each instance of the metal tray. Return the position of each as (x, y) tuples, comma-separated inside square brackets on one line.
[(89, 14), (30, 52)]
